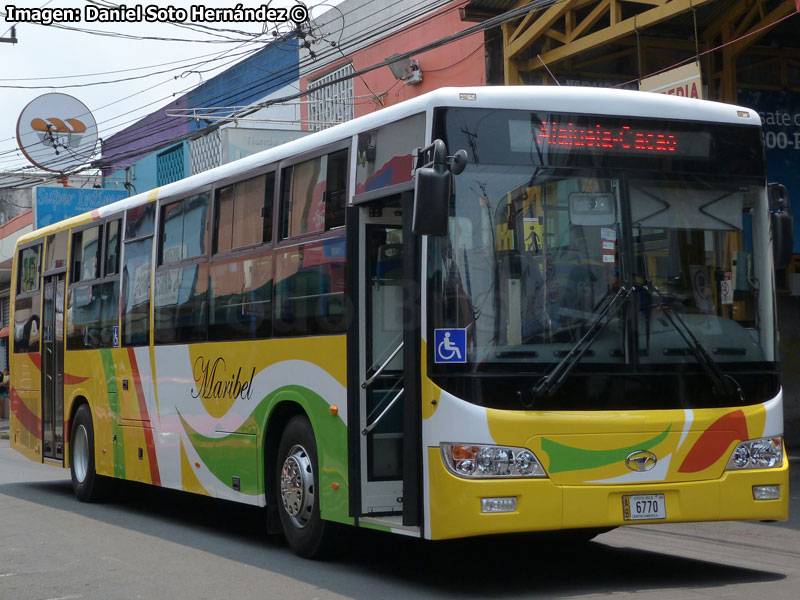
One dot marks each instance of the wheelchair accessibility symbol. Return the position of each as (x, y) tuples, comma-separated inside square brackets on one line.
[(451, 345)]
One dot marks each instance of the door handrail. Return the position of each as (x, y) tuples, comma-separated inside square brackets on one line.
[(377, 420), (380, 369)]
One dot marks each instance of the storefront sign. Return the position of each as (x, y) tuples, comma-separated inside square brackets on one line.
[(682, 81), (240, 142), (53, 204)]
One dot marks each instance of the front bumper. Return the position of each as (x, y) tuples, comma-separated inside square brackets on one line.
[(455, 503)]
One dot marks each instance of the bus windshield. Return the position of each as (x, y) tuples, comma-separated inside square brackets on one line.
[(544, 236)]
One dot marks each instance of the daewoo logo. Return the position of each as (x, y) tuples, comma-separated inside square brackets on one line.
[(641, 461)]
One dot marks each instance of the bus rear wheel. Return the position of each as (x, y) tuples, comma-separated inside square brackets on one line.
[(297, 491), (86, 483)]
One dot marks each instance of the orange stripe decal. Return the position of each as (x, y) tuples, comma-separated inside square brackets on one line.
[(36, 359), (25, 415), (73, 379), (148, 431), (715, 441)]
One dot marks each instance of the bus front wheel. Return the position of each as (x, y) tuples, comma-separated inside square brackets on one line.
[(297, 491), (86, 483)]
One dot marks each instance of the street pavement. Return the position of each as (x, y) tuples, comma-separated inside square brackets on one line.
[(152, 543)]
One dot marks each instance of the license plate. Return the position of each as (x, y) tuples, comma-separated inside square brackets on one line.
[(644, 507)]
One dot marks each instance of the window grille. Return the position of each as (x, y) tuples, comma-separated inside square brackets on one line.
[(331, 103), (205, 152), (169, 166)]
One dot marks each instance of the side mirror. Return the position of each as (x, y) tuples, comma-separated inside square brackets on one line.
[(460, 160), (432, 187), (782, 227), (431, 201), (778, 197), (781, 224)]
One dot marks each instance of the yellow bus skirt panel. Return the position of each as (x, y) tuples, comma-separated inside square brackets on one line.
[(25, 423), (541, 505)]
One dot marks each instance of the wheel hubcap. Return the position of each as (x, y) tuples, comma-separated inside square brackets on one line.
[(80, 453), (297, 486)]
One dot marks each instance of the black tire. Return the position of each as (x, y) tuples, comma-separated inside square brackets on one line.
[(296, 486), (86, 483)]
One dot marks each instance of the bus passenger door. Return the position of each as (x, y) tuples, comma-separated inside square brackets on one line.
[(53, 368), (380, 356)]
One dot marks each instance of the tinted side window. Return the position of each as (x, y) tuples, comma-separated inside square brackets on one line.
[(310, 289), (240, 298), (83, 317), (27, 305), (336, 190), (93, 295), (241, 212), (179, 304), (172, 233), (27, 323), (29, 269), (140, 221), (183, 229), (180, 295), (269, 206), (86, 254), (112, 248), (224, 219), (313, 195), (384, 154), (56, 253), (136, 292), (194, 226)]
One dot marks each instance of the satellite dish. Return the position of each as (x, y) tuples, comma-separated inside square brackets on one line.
[(56, 132)]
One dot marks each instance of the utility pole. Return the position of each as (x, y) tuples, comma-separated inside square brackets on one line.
[(13, 38)]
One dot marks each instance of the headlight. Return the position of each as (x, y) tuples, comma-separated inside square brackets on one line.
[(481, 461), (764, 453)]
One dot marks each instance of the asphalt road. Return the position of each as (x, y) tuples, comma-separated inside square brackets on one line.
[(155, 544)]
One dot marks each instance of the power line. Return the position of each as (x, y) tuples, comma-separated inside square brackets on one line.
[(55, 77), (480, 27), (276, 76), (375, 32), (489, 24)]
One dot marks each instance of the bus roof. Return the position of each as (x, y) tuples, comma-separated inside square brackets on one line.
[(569, 99)]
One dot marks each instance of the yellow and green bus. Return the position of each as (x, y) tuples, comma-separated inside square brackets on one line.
[(568, 323)]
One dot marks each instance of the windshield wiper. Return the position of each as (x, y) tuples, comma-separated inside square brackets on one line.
[(555, 377), (723, 383)]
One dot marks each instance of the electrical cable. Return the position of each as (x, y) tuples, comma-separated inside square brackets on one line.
[(514, 13), (357, 35), (356, 38), (150, 133), (54, 77)]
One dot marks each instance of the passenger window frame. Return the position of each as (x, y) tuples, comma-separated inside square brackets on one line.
[(102, 278), (32, 296), (200, 261), (268, 225), (286, 178), (150, 236)]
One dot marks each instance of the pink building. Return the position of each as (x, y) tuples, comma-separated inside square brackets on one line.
[(459, 63)]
